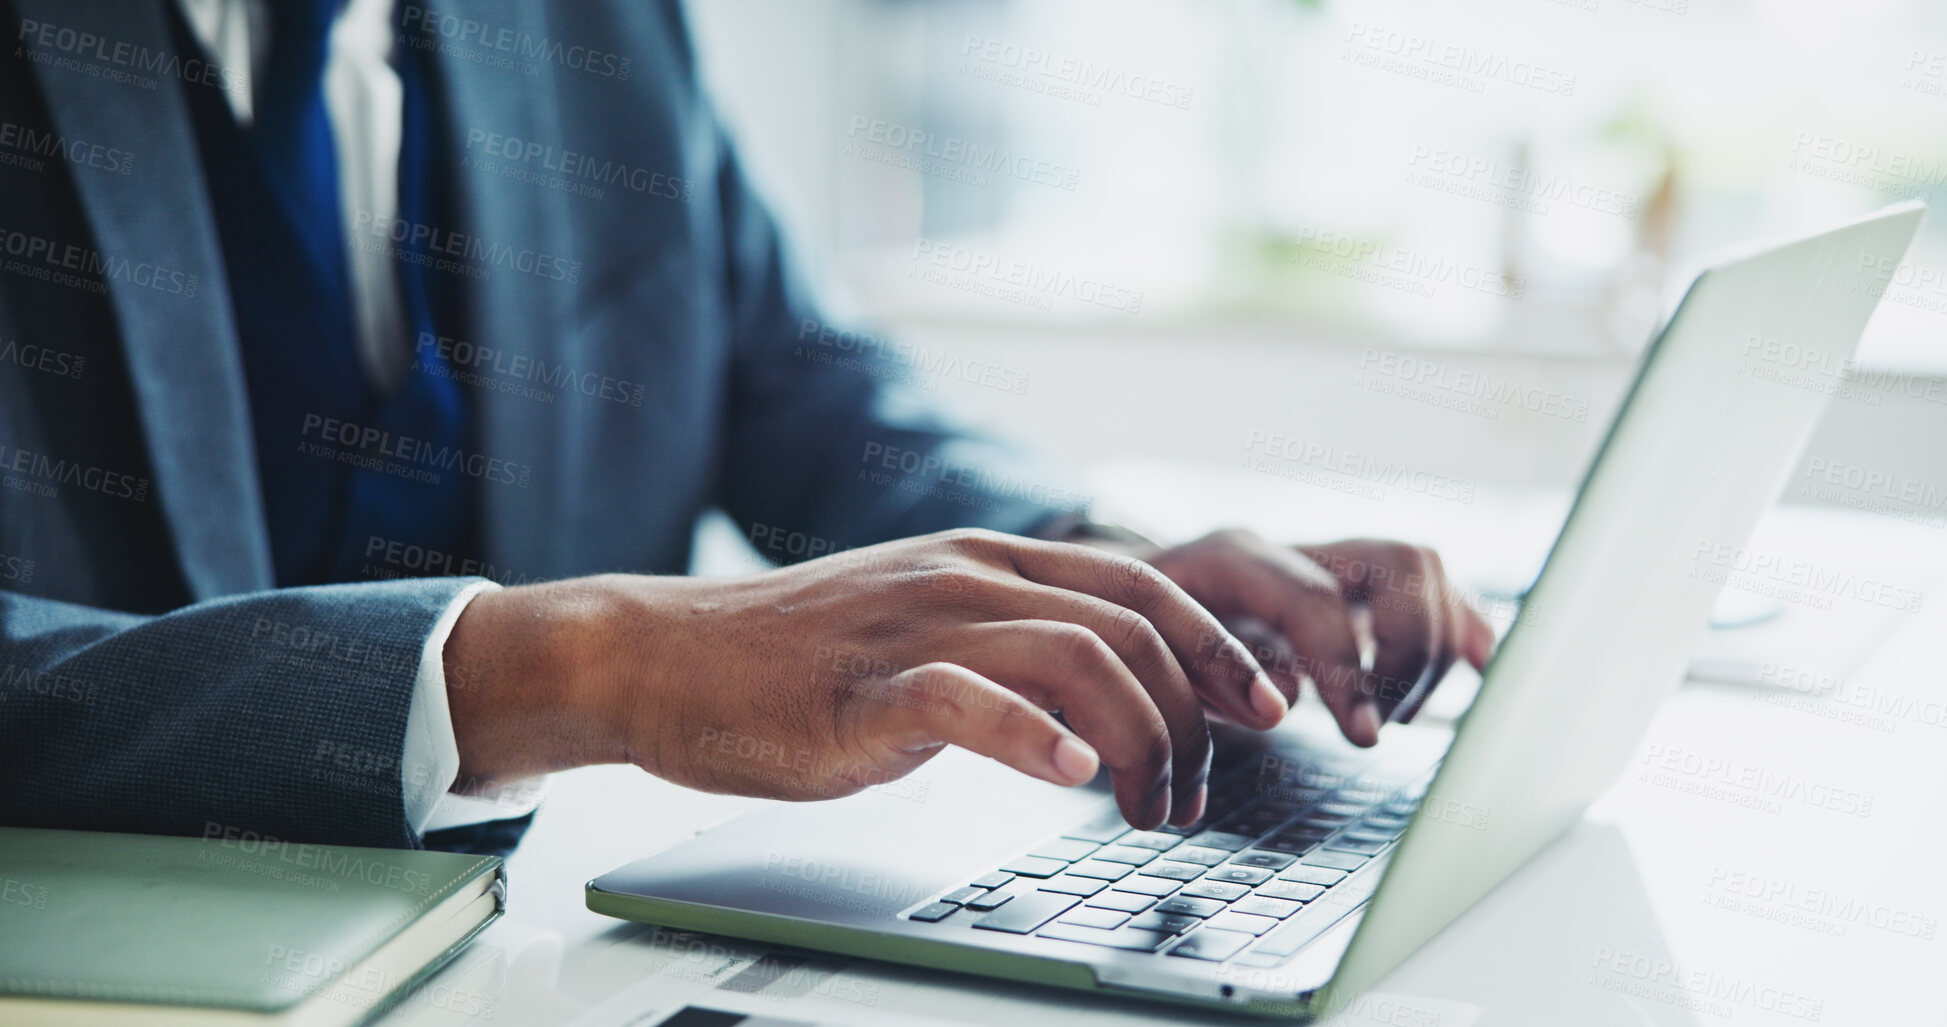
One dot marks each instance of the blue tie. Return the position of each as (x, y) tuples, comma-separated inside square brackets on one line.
[(345, 470)]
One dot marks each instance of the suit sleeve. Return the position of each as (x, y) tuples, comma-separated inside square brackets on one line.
[(830, 435), (281, 713)]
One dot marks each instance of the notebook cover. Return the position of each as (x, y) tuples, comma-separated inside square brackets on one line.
[(237, 921)]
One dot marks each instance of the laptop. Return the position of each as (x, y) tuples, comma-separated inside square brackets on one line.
[(1319, 866)]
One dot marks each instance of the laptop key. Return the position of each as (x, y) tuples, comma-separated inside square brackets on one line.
[(934, 913), (1326, 876), (1290, 891), (1264, 905), (1150, 840), (991, 900), (1173, 870), (960, 897), (1187, 906), (1101, 869), (1028, 912), (1239, 875), (1034, 866), (1093, 916), (1106, 827), (1336, 860), (1154, 887), (1215, 946), (1069, 884), (1231, 920), (1199, 855), (1288, 844), (1367, 835), (1171, 923), (1267, 860), (1222, 891), (1130, 854), (1363, 848), (993, 880), (1222, 840), (1296, 933), (1130, 938), (1122, 901), (1068, 850)]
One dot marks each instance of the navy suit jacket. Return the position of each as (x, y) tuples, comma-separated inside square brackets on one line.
[(635, 357)]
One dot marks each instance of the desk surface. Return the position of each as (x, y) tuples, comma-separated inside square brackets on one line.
[(1768, 857)]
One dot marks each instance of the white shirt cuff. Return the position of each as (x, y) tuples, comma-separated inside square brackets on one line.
[(430, 765)]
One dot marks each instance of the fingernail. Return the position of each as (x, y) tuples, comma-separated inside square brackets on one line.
[(1365, 724), (1074, 761), (1267, 701)]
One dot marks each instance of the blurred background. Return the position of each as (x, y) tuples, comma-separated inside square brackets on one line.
[(1431, 233)]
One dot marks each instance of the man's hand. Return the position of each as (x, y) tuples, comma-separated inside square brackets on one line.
[(1374, 625), (821, 679)]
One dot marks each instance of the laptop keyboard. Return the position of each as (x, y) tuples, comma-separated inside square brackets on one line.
[(1244, 883)]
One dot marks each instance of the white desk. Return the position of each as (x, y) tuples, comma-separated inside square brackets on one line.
[(1722, 880)]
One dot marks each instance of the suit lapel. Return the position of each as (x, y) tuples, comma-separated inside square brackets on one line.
[(182, 350), (519, 527)]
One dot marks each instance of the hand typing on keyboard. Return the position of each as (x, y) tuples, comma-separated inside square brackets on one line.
[(1374, 625), (849, 671)]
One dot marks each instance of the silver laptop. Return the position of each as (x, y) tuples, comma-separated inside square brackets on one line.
[(1320, 866)]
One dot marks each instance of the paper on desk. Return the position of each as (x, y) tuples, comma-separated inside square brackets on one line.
[(775, 989)]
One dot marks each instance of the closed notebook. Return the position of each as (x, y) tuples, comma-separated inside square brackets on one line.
[(118, 929)]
